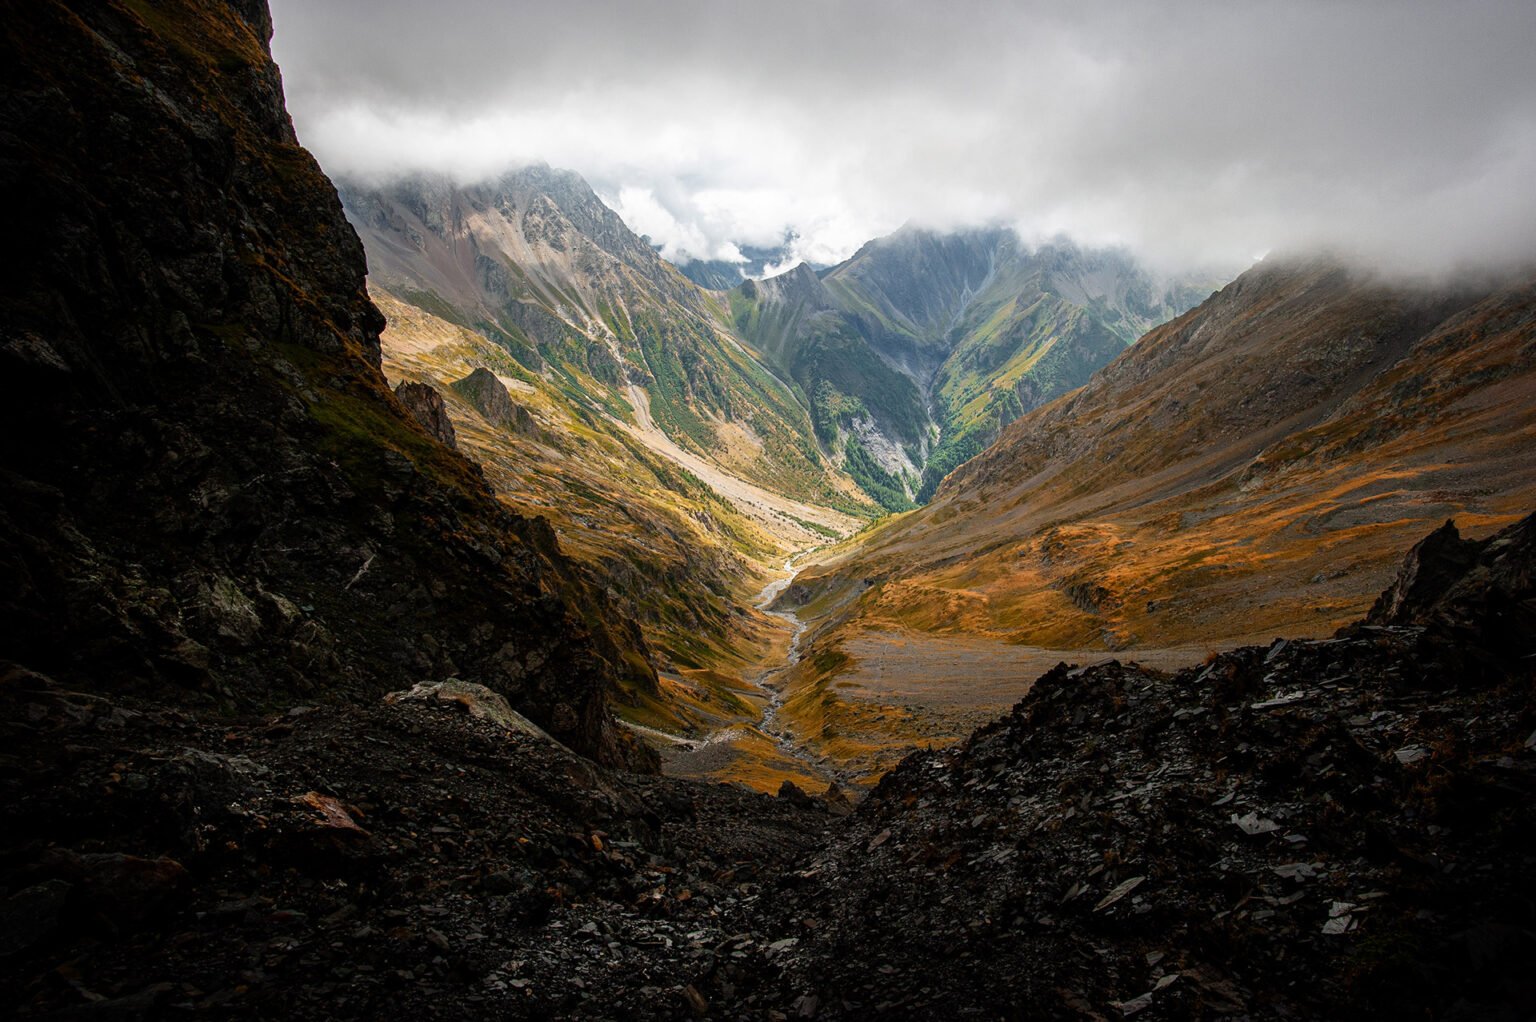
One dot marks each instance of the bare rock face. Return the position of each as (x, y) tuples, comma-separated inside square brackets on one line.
[(426, 407), (482, 389), (1435, 563)]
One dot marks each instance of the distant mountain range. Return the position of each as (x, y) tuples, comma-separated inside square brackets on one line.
[(890, 368), (916, 351)]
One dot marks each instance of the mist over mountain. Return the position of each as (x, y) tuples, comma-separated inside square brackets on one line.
[(755, 263), (890, 368), (1400, 135)]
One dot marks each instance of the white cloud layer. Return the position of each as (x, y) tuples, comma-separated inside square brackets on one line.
[(1401, 132)]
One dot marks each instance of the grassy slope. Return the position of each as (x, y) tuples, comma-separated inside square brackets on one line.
[(675, 556), (1199, 493)]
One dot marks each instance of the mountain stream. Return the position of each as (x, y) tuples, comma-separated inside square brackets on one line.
[(708, 755)]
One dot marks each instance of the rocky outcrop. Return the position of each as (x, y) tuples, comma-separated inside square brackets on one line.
[(207, 492), (1482, 591), (426, 407), (476, 700), (1435, 563), (489, 396)]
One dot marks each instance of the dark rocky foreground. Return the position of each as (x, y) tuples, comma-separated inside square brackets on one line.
[(228, 556), (1332, 828), (1318, 829), (390, 861)]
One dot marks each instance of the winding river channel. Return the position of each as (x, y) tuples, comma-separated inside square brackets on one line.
[(769, 724), (744, 741)]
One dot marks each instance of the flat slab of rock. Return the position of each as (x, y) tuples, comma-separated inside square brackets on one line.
[(477, 700)]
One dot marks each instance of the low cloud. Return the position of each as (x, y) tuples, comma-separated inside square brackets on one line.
[(1404, 133)]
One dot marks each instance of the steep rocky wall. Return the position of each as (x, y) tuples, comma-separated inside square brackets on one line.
[(207, 491)]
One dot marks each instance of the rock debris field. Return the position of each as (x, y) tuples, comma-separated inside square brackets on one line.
[(1313, 829)]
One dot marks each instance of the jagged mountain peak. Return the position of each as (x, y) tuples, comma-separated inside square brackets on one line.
[(552, 208), (801, 285)]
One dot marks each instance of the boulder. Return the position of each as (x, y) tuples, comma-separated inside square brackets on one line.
[(796, 795), (1435, 563), (836, 800), (476, 700)]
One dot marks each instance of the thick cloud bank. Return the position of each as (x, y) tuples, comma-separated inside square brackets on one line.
[(1403, 132)]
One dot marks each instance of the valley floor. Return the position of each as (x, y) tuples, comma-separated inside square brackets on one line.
[(890, 693), (900, 691)]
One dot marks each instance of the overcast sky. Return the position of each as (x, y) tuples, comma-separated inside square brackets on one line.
[(1403, 132)]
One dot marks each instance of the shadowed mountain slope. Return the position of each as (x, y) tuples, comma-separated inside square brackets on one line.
[(208, 487)]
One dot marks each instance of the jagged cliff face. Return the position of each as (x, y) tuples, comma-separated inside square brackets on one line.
[(1249, 469), (209, 493), (915, 352)]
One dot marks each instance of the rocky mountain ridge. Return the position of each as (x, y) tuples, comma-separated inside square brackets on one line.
[(536, 262)]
